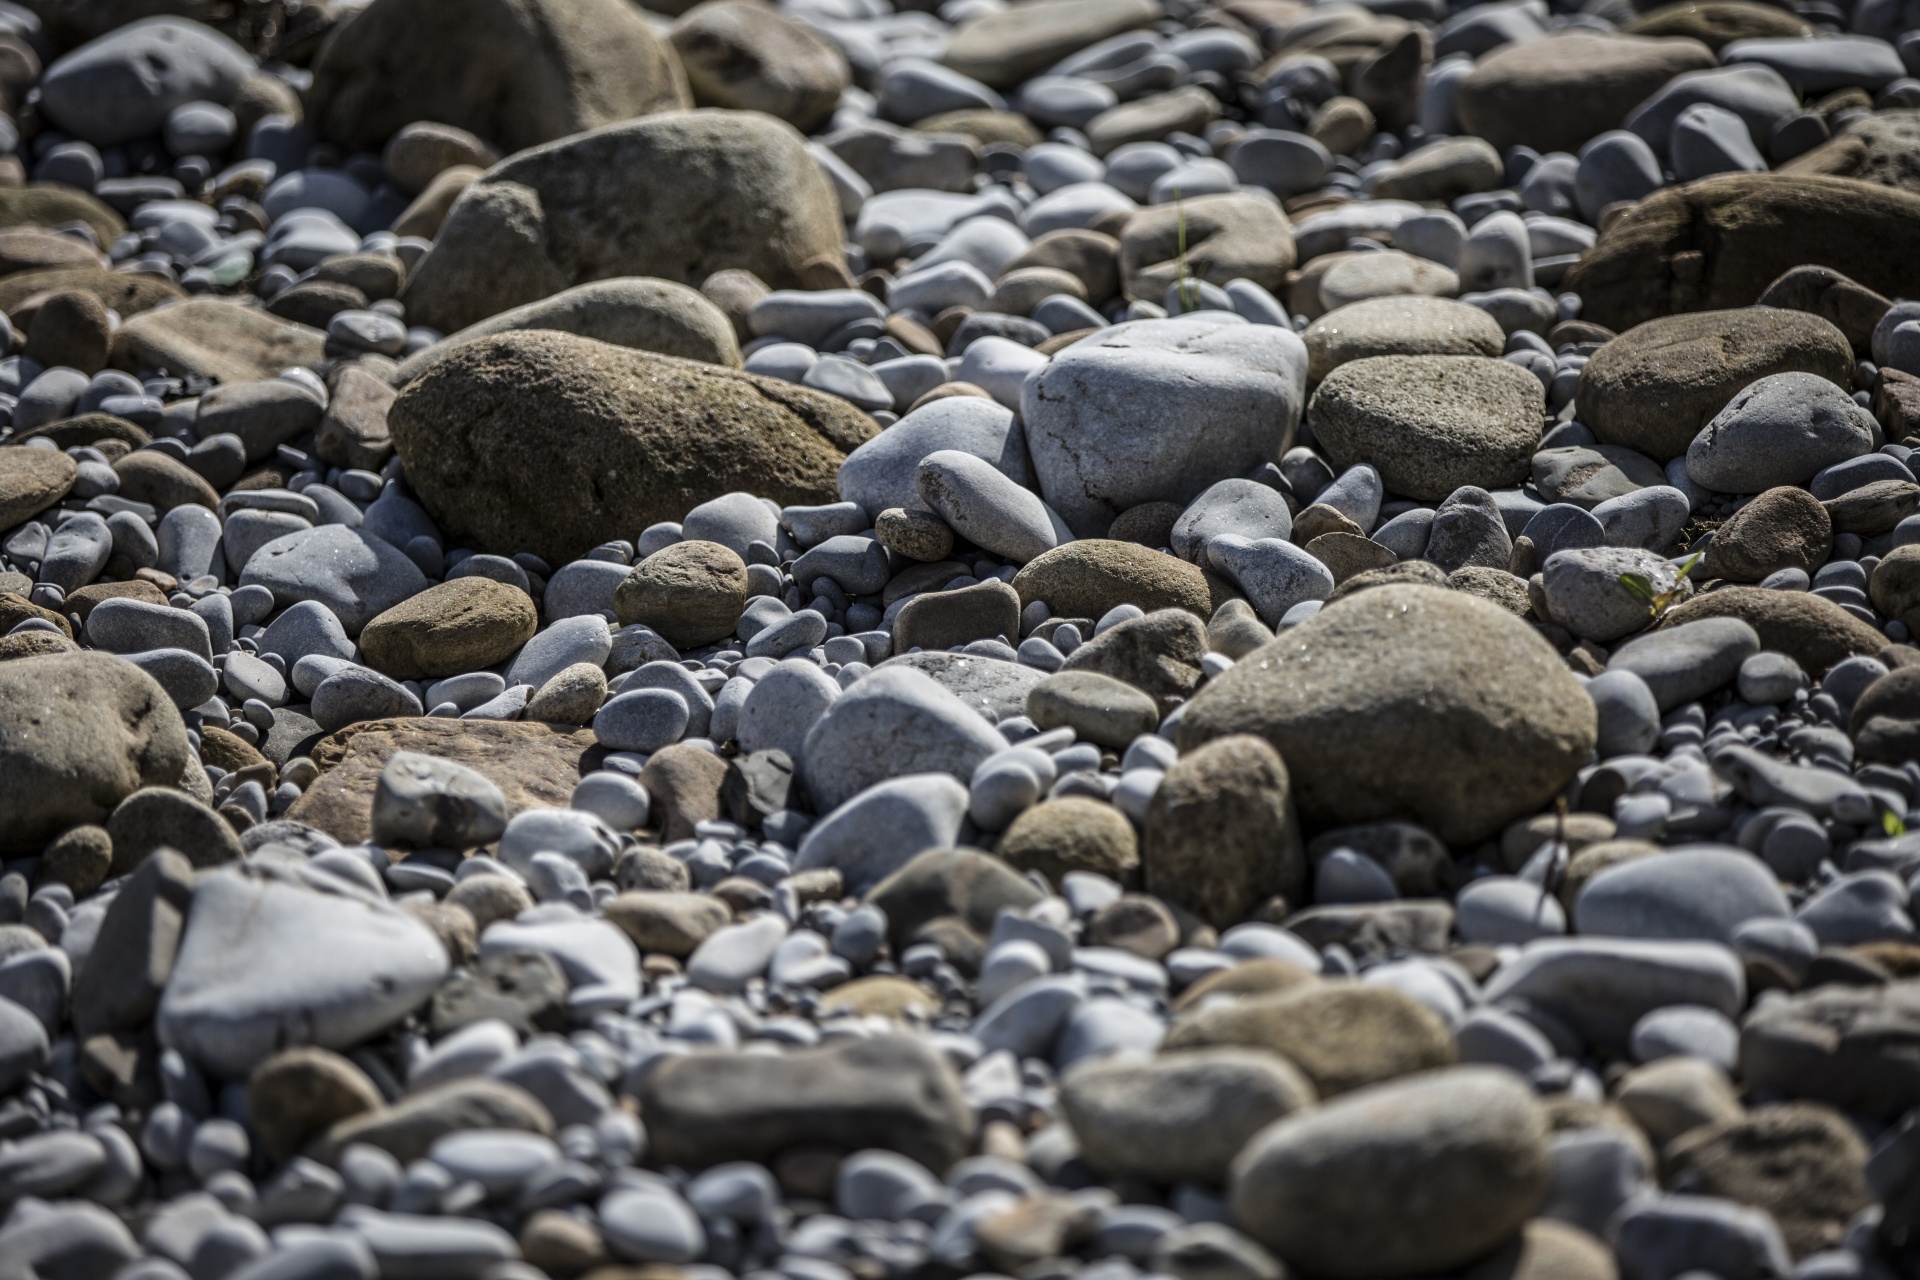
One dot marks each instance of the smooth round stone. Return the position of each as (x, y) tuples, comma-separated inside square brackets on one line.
[(1628, 716), (1275, 575), (850, 380), (1507, 911), (614, 798), (1064, 101), (354, 574), (788, 361), (1702, 894), (809, 318), (734, 520), (1651, 518), (1707, 139), (354, 694), (563, 644), (643, 721), (1780, 430), (1866, 906), (1690, 1031), (783, 705), (1283, 162), (1689, 661), (1586, 595), (1769, 678), (1053, 165), (498, 1159)]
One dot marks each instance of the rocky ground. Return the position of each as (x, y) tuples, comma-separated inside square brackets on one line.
[(1061, 640)]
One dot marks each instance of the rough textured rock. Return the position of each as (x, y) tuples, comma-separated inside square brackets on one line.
[(1316, 1187), (891, 1092), (1783, 528), (1656, 385), (677, 196), (549, 442), (1814, 632), (534, 765), (1086, 578), (1719, 242), (1221, 836), (79, 732), (752, 58), (647, 315), (1408, 702), (515, 72), (462, 625), (217, 339), (1342, 1035), (31, 480), (1431, 424)]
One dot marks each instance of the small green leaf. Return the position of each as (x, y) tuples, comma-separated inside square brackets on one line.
[(1890, 822), (1686, 567), (1638, 586)]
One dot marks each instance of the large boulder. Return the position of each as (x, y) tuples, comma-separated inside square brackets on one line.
[(515, 72), (1721, 241), (1098, 417), (1408, 702), (677, 196), (546, 442), (1655, 386), (648, 315), (1553, 95), (79, 733)]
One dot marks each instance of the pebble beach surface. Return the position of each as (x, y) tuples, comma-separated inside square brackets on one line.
[(1004, 639)]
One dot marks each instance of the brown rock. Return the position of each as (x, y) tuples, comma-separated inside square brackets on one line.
[(690, 592), (463, 624), (1343, 1035), (217, 339), (1553, 95), (408, 1129), (353, 431), (31, 249), (684, 785), (428, 212), (31, 480), (1090, 256), (1221, 836), (1851, 308), (1814, 632), (542, 441), (1873, 508), (1072, 834), (1227, 237), (1784, 528), (517, 73), (1408, 702), (151, 476), (425, 149), (71, 329), (751, 58), (671, 923), (300, 1092), (942, 619), (534, 765), (675, 196), (1086, 578), (1656, 385), (1801, 1162), (1721, 241)]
